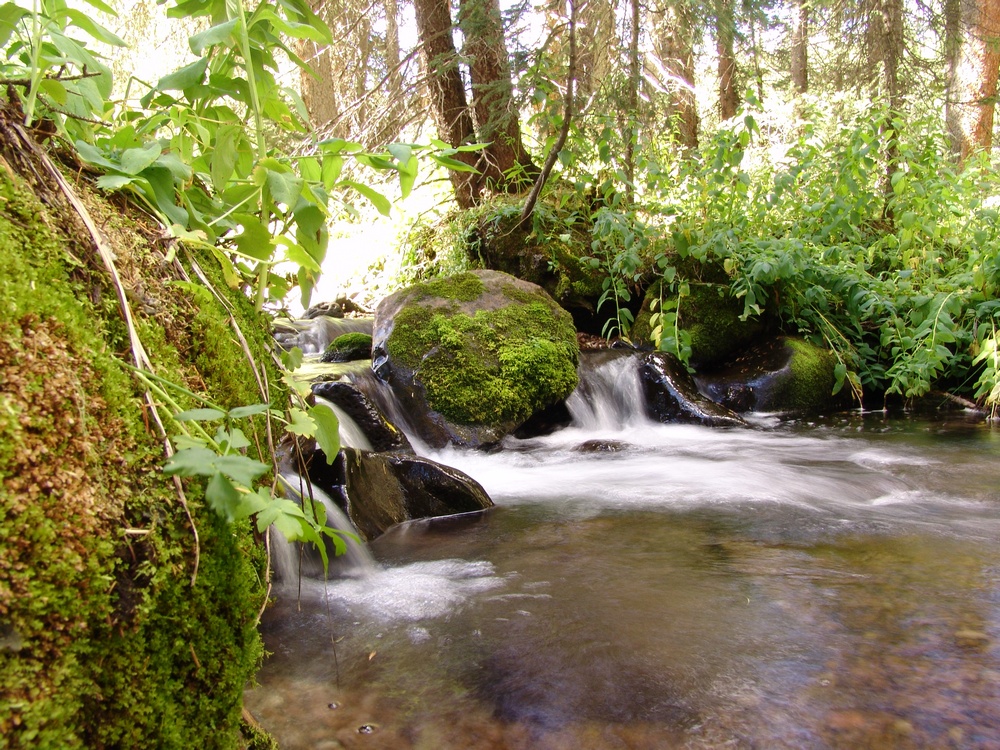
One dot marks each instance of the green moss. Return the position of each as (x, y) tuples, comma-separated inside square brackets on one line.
[(812, 376), (106, 642), (491, 367), (349, 347), (709, 315), (463, 287)]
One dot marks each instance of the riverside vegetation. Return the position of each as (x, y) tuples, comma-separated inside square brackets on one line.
[(130, 597)]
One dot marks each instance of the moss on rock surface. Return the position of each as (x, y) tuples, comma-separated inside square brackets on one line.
[(710, 316), (348, 348), (104, 640), (785, 374), (491, 360)]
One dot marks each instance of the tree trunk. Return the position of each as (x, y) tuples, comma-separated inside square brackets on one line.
[(597, 41), (674, 29), (800, 50), (973, 69), (493, 97), (725, 37), (447, 94), (633, 103)]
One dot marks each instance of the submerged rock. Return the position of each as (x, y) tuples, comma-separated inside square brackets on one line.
[(474, 356), (786, 374), (380, 490), (672, 395), (381, 433)]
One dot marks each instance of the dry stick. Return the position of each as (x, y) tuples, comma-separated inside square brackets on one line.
[(550, 161), (139, 355)]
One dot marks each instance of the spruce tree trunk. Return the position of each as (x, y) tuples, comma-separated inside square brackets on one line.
[(800, 50), (725, 37), (447, 94), (674, 29), (974, 62), (505, 163)]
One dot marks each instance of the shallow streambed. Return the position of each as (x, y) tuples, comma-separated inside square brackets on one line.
[(646, 586)]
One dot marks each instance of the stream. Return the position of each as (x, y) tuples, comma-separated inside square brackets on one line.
[(823, 584)]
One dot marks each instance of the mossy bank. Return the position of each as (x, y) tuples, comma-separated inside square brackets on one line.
[(107, 636)]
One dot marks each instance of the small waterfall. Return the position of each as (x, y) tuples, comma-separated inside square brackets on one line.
[(289, 558), (351, 435), (609, 396), (313, 336)]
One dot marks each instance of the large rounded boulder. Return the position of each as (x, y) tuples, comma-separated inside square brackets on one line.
[(474, 356)]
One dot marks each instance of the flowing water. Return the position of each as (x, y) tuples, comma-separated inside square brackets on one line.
[(789, 585)]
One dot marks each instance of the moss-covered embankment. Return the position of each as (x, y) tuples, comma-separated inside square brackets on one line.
[(107, 636)]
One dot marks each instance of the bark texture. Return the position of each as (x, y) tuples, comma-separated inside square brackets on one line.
[(974, 62), (449, 107)]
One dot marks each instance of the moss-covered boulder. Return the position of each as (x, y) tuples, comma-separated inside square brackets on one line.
[(475, 355), (709, 315), (127, 610), (348, 348), (785, 374)]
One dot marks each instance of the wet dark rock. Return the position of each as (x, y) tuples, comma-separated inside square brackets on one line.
[(380, 490), (381, 433), (474, 356), (336, 308), (785, 374), (672, 395), (602, 446), (348, 347), (545, 422)]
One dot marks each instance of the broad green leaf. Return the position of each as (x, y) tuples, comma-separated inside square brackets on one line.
[(134, 160), (327, 431), (378, 200), (191, 462), (10, 17), (54, 89), (234, 439), (292, 359), (285, 187), (113, 181), (83, 21), (240, 469), (300, 423), (185, 77), (332, 166), (255, 242), (400, 151), (102, 6), (298, 255), (175, 165), (248, 411), (285, 515), (224, 156), (252, 502), (453, 164), (93, 155), (223, 497), (218, 34)]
